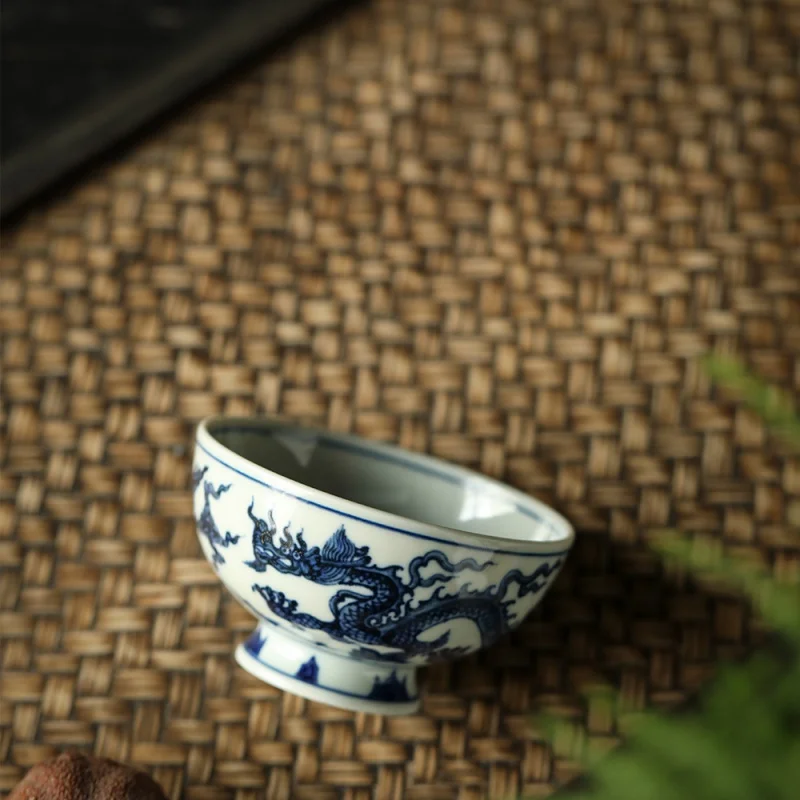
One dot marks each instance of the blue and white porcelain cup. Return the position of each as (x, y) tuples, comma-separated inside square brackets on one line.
[(361, 561)]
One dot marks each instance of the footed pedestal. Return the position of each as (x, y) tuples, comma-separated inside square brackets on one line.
[(317, 673)]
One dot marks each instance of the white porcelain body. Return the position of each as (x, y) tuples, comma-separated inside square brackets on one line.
[(302, 527)]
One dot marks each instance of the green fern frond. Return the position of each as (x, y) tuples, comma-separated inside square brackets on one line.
[(778, 603), (744, 742), (773, 406)]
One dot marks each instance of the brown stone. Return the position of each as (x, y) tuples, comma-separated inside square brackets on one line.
[(75, 776)]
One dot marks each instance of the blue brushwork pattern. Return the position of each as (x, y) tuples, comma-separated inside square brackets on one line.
[(255, 643), (390, 690), (205, 522), (375, 606), (309, 671)]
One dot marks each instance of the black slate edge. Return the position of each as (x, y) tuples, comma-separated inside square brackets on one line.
[(238, 35)]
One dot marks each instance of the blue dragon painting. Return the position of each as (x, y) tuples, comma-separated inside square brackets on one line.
[(205, 523), (375, 606)]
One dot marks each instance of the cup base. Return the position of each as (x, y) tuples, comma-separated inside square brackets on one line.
[(317, 673)]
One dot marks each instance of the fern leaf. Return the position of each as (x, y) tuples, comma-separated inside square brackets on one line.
[(689, 750), (778, 603), (774, 407)]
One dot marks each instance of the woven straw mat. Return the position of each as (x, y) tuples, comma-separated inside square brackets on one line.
[(499, 232)]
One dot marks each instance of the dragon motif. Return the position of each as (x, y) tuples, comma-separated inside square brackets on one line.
[(205, 523), (376, 606)]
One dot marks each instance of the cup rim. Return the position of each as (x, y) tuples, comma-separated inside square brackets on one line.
[(523, 502)]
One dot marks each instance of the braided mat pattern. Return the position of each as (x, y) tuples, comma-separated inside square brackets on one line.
[(500, 232)]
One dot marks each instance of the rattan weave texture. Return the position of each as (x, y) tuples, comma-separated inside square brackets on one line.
[(500, 232)]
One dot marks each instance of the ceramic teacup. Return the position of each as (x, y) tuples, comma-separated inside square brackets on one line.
[(362, 561)]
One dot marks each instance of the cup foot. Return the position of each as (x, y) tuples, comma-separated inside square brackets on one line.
[(317, 673)]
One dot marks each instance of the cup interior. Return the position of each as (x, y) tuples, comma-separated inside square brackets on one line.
[(391, 480)]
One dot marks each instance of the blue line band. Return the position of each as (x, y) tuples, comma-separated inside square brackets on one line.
[(382, 525)]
